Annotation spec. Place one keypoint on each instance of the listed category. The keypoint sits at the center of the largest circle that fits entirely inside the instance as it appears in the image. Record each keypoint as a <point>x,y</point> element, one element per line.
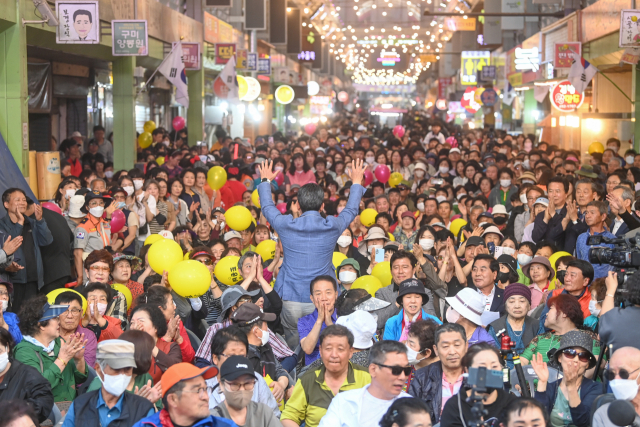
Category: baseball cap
<point>249,314</point>
<point>233,234</point>
<point>218,209</point>
<point>52,311</point>
<point>454,150</point>
<point>235,367</point>
<point>76,134</point>
<point>541,201</point>
<point>230,298</point>
<point>117,353</point>
<point>412,286</point>
<point>492,229</point>
<point>184,372</point>
<point>475,241</point>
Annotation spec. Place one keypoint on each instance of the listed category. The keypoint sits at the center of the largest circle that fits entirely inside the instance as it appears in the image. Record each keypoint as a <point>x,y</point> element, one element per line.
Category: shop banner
<point>473,61</point>
<point>211,28</point>
<point>190,55</point>
<point>79,22</point>
<point>225,32</point>
<point>468,100</point>
<point>224,52</point>
<point>459,23</point>
<point>630,56</point>
<point>563,56</point>
<point>565,97</point>
<point>443,83</point>
<point>241,59</point>
<point>252,61</point>
<point>426,58</point>
<point>129,38</point>
<point>264,65</point>
<point>629,25</point>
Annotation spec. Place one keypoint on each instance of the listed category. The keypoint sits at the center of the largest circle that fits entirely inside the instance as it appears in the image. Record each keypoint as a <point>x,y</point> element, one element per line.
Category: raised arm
<point>269,209</point>
<point>356,174</point>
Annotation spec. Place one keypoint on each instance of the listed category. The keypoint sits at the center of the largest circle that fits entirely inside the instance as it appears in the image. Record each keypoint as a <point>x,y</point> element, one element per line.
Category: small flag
<point>173,69</point>
<point>228,76</point>
<point>508,95</point>
<point>540,92</point>
<point>581,73</point>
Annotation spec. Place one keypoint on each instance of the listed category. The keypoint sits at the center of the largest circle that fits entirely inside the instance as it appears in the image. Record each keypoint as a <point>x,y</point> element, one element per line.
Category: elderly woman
<point>8,321</point>
<point>61,363</point>
<point>569,399</point>
<point>420,343</point>
<point>540,272</point>
<point>520,327</point>
<point>148,318</point>
<point>104,327</point>
<point>123,266</point>
<point>466,309</point>
<point>411,297</point>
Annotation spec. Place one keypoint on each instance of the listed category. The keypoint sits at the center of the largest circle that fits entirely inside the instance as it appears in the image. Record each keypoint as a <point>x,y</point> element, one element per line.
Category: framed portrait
<point>79,22</point>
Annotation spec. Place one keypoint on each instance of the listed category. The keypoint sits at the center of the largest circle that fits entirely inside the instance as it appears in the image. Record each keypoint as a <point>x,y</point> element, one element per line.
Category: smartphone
<point>379,255</point>
<point>437,181</point>
<point>492,247</point>
<point>270,140</point>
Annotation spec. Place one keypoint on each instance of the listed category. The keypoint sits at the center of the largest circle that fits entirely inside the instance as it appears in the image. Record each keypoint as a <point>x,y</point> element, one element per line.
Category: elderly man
<point>185,399</point>
<point>484,275</point>
<point>70,324</point>
<point>623,376</point>
<point>324,293</point>
<point>389,370</point>
<point>595,217</point>
<point>114,365</point>
<point>621,199</point>
<point>297,235</point>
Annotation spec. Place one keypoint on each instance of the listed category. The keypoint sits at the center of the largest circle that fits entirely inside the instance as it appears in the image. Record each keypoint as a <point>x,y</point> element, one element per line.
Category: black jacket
<point>553,231</point>
<point>495,412</point>
<point>134,408</point>
<point>580,415</point>
<point>56,257</point>
<point>355,254</point>
<point>426,385</point>
<point>25,383</point>
<point>497,304</point>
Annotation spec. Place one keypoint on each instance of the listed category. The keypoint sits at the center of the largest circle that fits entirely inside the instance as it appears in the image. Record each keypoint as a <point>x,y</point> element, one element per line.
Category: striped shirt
<point>545,342</point>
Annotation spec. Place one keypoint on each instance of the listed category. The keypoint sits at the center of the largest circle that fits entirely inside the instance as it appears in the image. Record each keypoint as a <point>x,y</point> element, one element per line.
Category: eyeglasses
<point>397,370</point>
<point>440,258</point>
<point>98,268</point>
<point>236,387</point>
<point>73,312</point>
<point>199,390</point>
<point>242,301</point>
<point>4,294</point>
<point>205,261</point>
<point>610,374</point>
<point>570,353</point>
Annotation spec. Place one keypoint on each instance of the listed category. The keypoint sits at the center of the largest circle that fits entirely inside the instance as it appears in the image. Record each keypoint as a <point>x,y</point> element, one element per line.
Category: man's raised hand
<point>266,170</point>
<point>357,172</point>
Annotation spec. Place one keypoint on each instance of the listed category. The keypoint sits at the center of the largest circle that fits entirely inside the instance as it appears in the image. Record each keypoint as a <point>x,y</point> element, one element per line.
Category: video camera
<point>624,256</point>
<point>482,381</point>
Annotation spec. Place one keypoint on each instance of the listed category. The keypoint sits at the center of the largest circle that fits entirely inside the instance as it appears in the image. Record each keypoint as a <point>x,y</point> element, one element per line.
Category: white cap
<point>421,166</point>
<point>469,304</point>
<point>499,209</point>
<point>233,234</point>
<point>362,325</point>
<point>541,201</point>
<point>454,150</point>
<point>492,229</point>
<point>76,134</point>
<point>166,234</point>
<point>75,203</point>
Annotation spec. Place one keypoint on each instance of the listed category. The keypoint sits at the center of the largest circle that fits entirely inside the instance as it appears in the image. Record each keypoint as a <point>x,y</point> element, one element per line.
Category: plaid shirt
<point>118,309</point>
<point>280,348</point>
<point>403,239</point>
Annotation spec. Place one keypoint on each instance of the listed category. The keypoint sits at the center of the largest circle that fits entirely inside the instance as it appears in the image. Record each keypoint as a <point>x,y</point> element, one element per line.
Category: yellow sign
<point>472,61</point>
<point>515,79</point>
<point>427,58</point>
<point>243,87</point>
<point>241,59</point>
<point>459,23</point>
<point>284,94</point>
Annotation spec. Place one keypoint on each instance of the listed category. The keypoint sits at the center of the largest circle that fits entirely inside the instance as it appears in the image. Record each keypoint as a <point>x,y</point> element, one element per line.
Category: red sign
<point>443,82</point>
<point>190,55</point>
<point>563,56</point>
<point>224,52</point>
<point>565,97</point>
<point>468,100</point>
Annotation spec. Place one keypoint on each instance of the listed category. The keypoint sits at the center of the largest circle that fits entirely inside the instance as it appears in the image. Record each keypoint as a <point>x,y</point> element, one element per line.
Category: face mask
<point>523,198</point>
<point>121,205</point>
<point>452,315</point>
<point>624,389</point>
<point>419,173</point>
<point>443,169</point>
<point>499,220</point>
<point>138,183</point>
<point>166,142</point>
<point>347,276</point>
<point>70,193</point>
<point>505,183</point>
<point>116,384</point>
<point>629,159</point>
<point>592,308</point>
<point>508,251</point>
<point>524,259</point>
<point>560,275</point>
<point>441,199</point>
<point>370,159</point>
<point>108,174</point>
<point>426,244</point>
<point>344,241</point>
<point>102,308</point>
<point>5,305</point>
<point>613,147</point>
<point>237,399</point>
<point>412,355</point>
<point>129,189</point>
<point>526,164</point>
<point>420,206</point>
<point>372,248</point>
<point>279,168</point>
<point>4,361</point>
<point>329,164</point>
<point>265,337</point>
<point>460,196</point>
<point>340,209</point>
<point>503,277</point>
<point>97,211</point>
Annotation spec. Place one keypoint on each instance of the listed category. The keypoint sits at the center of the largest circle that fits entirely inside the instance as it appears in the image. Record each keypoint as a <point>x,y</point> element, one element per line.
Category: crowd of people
<point>407,262</point>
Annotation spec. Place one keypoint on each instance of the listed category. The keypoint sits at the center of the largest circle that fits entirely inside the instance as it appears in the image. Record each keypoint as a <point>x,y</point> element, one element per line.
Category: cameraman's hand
<point>611,282</point>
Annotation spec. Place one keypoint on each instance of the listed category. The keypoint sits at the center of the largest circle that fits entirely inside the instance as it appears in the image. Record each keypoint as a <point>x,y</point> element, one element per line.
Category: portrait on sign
<point>79,22</point>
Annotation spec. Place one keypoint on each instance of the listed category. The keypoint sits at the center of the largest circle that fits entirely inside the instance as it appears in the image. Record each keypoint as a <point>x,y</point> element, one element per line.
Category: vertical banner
<point>563,54</point>
<point>210,28</point>
<point>252,61</point>
<point>443,83</point>
<point>264,66</point>
<point>241,59</point>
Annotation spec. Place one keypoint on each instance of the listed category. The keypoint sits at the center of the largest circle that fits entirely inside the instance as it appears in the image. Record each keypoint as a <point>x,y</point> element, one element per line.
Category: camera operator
<point>614,321</point>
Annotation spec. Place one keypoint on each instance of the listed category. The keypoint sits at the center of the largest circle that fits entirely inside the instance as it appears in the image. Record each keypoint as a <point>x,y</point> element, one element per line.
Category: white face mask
<point>102,308</point>
<point>460,196</point>
<point>138,183</point>
<point>443,169</point>
<point>347,277</point>
<point>4,360</point>
<point>116,384</point>
<point>592,308</point>
<point>5,305</point>
<point>372,248</point>
<point>278,168</point>
<point>420,206</point>
<point>129,189</point>
<point>452,315</point>
<point>426,244</point>
<point>505,183</point>
<point>264,339</point>
<point>412,355</point>
<point>344,241</point>
<point>508,251</point>
<point>440,199</point>
<point>108,174</point>
<point>524,259</point>
<point>624,389</point>
<point>523,198</point>
<point>69,193</point>
<point>370,159</point>
<point>526,164</point>
<point>97,211</point>
<point>629,159</point>
<point>329,164</point>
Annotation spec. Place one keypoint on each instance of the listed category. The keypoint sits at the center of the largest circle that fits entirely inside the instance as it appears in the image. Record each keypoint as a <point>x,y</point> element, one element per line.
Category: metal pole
<point>476,14</point>
<point>254,47</point>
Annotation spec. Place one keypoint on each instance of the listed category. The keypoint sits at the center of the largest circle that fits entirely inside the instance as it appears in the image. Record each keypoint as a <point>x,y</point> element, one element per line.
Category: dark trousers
<point>56,284</point>
<point>22,292</point>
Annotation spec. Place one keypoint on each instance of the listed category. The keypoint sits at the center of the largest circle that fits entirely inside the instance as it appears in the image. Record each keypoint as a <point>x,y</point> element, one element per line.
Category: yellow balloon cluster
<point>152,239</point>
<point>164,255</point>
<point>368,217</point>
<point>238,218</point>
<point>216,177</point>
<point>149,126</point>
<point>456,225</point>
<point>227,271</point>
<point>190,279</point>
<point>596,147</point>
<point>369,283</point>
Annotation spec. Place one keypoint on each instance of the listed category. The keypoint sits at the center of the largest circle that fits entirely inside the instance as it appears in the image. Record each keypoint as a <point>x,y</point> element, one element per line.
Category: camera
<point>624,256</point>
<point>481,379</point>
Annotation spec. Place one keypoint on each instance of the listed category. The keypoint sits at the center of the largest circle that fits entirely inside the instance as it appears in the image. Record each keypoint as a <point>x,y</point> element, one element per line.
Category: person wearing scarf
<point>411,297</point>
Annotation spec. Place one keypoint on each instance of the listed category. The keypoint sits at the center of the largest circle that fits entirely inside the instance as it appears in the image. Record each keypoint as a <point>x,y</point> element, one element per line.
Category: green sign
<point>129,38</point>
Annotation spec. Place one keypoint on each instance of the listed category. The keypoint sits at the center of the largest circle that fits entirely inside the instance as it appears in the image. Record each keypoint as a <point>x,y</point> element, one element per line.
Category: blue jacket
<point>12,321</point>
<point>308,242</point>
<point>581,415</point>
<point>210,421</point>
<point>582,251</point>
<point>41,237</point>
<point>393,327</point>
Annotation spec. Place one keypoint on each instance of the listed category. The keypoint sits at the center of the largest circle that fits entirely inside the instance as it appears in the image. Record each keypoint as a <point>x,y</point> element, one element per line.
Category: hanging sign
<point>565,98</point>
<point>563,54</point>
<point>443,83</point>
<point>473,61</point>
<point>284,94</point>
<point>629,25</point>
<point>441,104</point>
<point>630,56</point>
<point>459,23</point>
<point>190,55</point>
<point>79,22</point>
<point>241,59</point>
<point>468,101</point>
<point>129,38</point>
<point>253,89</point>
<point>264,65</point>
<point>489,97</point>
<point>224,52</point>
<point>343,96</point>
<point>252,61</point>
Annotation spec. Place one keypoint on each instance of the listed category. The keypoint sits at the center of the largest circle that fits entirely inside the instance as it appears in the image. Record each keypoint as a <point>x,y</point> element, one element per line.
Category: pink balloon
<point>279,178</point>
<point>118,221</point>
<point>368,177</point>
<point>52,207</point>
<point>382,173</point>
<point>398,131</point>
<point>178,123</point>
<point>282,207</point>
<point>310,128</point>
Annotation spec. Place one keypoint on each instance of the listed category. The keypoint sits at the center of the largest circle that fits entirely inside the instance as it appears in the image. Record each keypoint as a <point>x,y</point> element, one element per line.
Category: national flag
<point>509,95</point>
<point>581,73</point>
<point>540,92</point>
<point>228,76</point>
<point>173,69</point>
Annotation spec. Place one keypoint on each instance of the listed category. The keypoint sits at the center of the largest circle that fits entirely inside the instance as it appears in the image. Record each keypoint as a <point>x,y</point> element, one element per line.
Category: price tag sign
<point>129,38</point>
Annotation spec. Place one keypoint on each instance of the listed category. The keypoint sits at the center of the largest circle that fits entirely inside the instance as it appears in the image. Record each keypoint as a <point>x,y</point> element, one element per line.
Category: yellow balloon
<point>382,272</point>
<point>369,283</point>
<point>164,255</point>
<point>186,256</point>
<point>255,198</point>
<point>368,217</point>
<point>216,177</point>
<point>160,161</point>
<point>227,270</point>
<point>243,87</point>
<point>456,225</point>
<point>238,218</point>
<point>190,279</point>
<point>596,147</point>
<point>391,237</point>
<point>152,239</point>
<point>124,291</point>
<point>266,249</point>
<point>145,139</point>
<point>338,257</point>
<point>51,297</point>
<point>150,126</point>
<point>395,179</point>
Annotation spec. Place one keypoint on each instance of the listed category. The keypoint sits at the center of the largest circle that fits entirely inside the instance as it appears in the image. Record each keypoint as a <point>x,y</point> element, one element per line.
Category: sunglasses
<point>397,370</point>
<point>570,353</point>
<point>610,374</point>
<point>205,261</point>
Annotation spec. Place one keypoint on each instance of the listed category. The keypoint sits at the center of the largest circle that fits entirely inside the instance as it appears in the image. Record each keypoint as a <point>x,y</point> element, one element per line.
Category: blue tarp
<point>10,175</point>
